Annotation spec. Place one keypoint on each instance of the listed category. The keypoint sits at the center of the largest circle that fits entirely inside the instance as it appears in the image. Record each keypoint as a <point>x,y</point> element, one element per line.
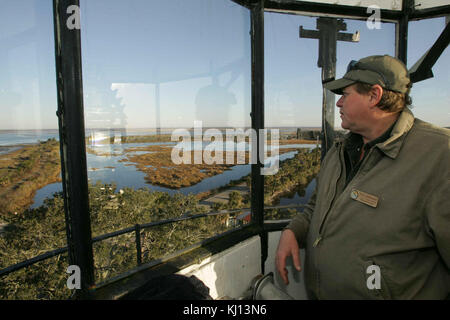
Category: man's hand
<point>287,246</point>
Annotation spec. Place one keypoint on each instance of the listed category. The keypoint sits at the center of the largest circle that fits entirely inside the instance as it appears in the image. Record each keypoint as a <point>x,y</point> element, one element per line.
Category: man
<point>378,224</point>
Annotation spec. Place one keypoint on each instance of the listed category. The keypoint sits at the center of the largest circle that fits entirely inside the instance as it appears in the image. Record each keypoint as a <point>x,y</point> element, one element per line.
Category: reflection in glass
<point>293,99</point>
<point>151,68</point>
<point>31,222</point>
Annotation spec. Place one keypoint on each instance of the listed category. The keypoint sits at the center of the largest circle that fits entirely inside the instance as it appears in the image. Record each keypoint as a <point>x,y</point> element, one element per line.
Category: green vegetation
<point>30,234</point>
<point>236,200</point>
<point>293,174</point>
<point>293,177</point>
<point>24,171</point>
<point>43,229</point>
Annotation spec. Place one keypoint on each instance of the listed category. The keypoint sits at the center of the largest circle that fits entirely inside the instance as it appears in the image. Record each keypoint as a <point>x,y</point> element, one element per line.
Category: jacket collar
<point>391,146</point>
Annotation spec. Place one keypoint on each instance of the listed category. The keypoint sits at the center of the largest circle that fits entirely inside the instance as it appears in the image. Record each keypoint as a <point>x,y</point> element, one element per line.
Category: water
<point>10,139</point>
<point>128,176</point>
<point>16,137</point>
<point>107,168</point>
<point>297,199</point>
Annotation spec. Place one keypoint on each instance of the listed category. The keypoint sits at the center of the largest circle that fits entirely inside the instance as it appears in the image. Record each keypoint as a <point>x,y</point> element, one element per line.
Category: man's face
<point>354,108</point>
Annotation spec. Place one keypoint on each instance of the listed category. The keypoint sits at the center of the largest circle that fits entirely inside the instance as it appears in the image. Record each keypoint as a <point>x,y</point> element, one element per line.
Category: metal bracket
<point>421,70</point>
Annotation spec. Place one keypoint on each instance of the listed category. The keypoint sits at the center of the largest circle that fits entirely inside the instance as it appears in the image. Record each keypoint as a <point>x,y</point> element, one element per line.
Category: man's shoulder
<point>428,141</point>
<point>430,129</point>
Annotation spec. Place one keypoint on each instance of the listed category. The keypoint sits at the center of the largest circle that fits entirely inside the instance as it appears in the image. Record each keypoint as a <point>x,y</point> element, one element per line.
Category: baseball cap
<point>389,72</point>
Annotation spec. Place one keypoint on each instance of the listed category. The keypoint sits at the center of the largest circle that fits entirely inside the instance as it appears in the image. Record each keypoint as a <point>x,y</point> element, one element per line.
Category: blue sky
<point>172,62</point>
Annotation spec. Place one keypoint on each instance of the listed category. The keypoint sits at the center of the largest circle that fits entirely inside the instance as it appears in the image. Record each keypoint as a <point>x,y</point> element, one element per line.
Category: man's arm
<point>300,223</point>
<point>294,234</point>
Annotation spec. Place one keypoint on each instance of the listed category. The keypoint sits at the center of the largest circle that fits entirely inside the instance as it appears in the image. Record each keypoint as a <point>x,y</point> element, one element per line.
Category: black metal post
<point>327,61</point>
<point>328,34</point>
<point>257,189</point>
<point>72,140</point>
<point>401,31</point>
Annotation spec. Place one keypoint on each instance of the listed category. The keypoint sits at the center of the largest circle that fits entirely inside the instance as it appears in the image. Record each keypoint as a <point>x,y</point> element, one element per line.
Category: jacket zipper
<point>342,163</point>
<point>334,195</point>
<point>319,237</point>
<point>317,241</point>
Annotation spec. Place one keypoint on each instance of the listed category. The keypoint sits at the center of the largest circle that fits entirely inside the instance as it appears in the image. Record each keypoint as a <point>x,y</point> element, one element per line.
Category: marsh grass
<point>159,168</point>
<point>24,171</point>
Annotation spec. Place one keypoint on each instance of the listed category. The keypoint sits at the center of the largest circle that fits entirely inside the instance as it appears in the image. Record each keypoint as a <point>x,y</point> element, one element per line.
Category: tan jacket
<point>394,214</point>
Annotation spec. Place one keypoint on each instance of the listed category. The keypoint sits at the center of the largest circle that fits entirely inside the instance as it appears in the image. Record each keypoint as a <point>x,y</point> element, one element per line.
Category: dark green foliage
<point>39,230</point>
<point>236,200</point>
<point>293,174</point>
<point>293,177</point>
<point>44,280</point>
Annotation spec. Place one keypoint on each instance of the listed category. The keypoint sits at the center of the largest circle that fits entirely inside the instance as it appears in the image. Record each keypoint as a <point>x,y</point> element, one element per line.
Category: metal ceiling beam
<point>300,7</point>
<point>293,6</point>
<point>244,3</point>
<point>430,12</point>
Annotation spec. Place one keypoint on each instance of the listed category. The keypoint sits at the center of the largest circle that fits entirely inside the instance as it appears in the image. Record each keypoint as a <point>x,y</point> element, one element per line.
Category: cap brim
<point>336,86</point>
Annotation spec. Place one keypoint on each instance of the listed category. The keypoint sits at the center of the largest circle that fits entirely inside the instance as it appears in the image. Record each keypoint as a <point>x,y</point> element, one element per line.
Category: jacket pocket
<point>376,284</point>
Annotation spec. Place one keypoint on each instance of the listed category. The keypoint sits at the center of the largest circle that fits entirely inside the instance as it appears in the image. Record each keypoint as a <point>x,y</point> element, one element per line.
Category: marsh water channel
<point>107,165</point>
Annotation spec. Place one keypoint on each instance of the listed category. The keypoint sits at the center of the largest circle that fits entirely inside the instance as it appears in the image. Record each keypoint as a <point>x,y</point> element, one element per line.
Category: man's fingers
<point>281,268</point>
<point>284,276</point>
<point>287,247</point>
<point>296,259</point>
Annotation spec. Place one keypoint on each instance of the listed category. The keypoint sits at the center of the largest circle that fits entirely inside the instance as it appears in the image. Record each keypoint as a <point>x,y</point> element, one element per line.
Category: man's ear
<point>375,95</point>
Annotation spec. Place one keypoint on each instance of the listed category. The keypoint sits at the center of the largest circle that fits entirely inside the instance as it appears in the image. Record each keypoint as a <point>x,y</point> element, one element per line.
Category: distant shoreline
<point>156,129</point>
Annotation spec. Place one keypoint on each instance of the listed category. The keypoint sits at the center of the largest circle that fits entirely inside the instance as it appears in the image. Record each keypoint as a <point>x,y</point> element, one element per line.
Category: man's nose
<point>339,103</point>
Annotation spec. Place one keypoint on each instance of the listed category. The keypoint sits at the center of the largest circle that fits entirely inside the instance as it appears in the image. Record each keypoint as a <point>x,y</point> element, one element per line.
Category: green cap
<point>389,72</point>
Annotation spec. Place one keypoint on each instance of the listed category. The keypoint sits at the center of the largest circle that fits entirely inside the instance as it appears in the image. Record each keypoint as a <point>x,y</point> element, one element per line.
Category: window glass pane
<point>31,215</point>
<point>155,74</point>
<point>293,100</point>
<point>430,98</point>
